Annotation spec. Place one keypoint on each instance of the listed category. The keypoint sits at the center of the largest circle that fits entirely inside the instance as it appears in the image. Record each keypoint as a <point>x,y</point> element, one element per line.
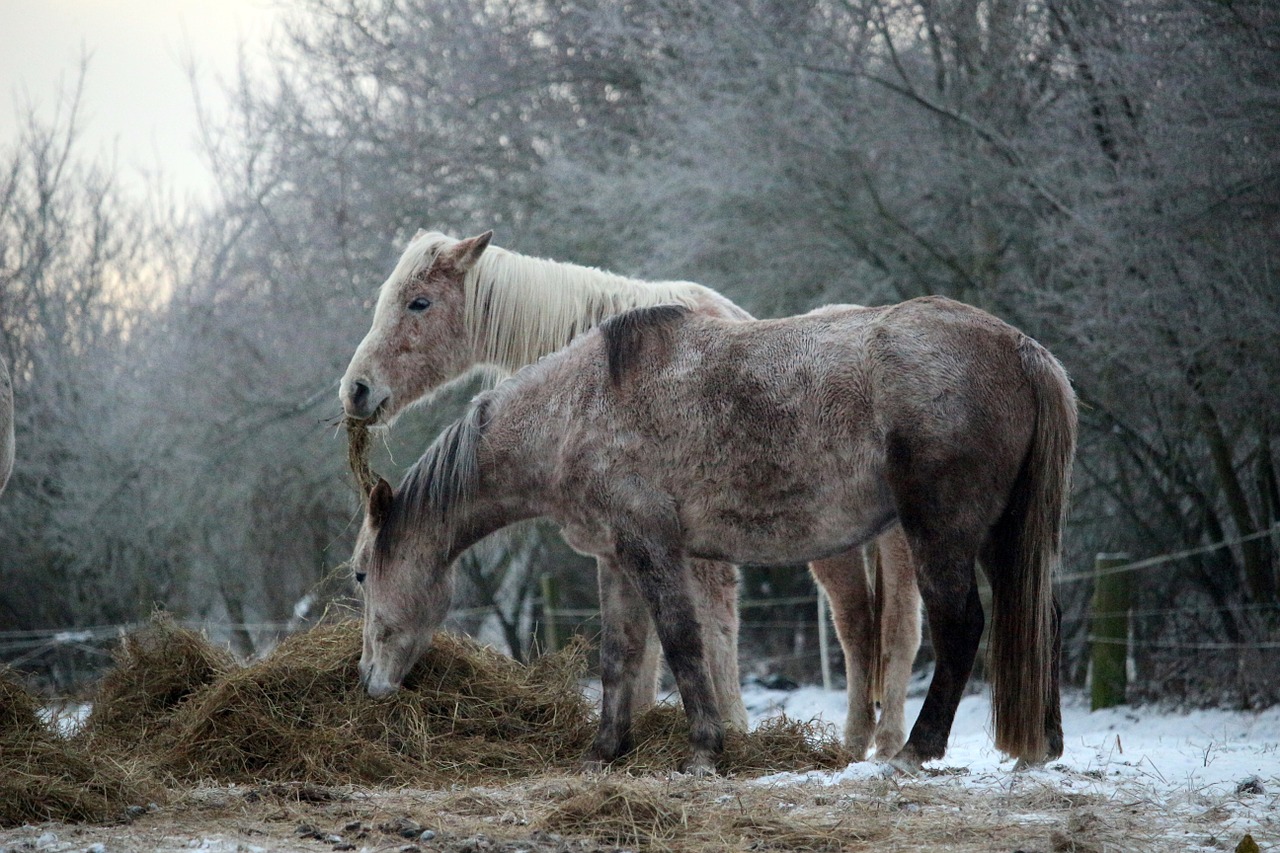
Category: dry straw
<point>358,441</point>
<point>177,710</point>
<point>44,776</point>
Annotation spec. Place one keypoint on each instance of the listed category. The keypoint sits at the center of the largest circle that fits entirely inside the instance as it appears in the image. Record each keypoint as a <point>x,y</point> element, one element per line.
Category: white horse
<point>451,307</point>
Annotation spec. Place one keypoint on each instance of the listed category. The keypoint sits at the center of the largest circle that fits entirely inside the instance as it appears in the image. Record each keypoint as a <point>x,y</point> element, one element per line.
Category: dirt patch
<point>608,812</point>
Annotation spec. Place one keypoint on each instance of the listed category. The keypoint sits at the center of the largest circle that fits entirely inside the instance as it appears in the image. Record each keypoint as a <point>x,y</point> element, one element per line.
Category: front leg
<point>655,565</point>
<point>628,661</point>
<point>715,591</point>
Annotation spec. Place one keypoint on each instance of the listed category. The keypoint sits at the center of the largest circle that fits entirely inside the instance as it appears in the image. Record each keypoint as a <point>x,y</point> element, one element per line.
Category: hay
<point>619,814</point>
<point>179,710</point>
<point>19,710</point>
<point>46,777</point>
<point>358,454</point>
<point>662,744</point>
<point>467,713</point>
<point>156,668</point>
<point>690,815</point>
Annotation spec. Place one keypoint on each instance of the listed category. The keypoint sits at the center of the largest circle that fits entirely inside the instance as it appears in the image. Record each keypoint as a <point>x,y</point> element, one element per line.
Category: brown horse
<point>662,434</point>
<point>454,306</point>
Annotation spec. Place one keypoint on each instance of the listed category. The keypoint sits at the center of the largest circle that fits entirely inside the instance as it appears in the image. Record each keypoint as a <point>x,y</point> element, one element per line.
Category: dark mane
<point>625,334</point>
<point>444,477</point>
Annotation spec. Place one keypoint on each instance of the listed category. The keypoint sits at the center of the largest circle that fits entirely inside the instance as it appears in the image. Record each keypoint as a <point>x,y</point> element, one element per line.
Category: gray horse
<point>451,307</point>
<point>662,434</point>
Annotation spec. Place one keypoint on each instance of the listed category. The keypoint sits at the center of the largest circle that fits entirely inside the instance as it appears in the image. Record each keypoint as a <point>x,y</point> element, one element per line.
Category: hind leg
<point>898,600</point>
<point>844,579</point>
<point>949,586</point>
<point>715,593</point>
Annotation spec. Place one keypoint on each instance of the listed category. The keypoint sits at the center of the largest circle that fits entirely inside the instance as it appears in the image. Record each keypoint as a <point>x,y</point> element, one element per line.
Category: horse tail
<point>1024,647</point>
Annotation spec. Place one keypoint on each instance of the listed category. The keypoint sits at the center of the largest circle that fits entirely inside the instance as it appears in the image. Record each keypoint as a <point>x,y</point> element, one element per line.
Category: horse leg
<point>898,606</point>
<point>715,590</point>
<point>663,579</point>
<point>844,579</point>
<point>949,587</point>
<point>628,664</point>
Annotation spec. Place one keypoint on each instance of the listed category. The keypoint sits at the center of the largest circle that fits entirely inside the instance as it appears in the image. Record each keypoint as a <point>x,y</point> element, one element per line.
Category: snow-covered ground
<point>1184,763</point>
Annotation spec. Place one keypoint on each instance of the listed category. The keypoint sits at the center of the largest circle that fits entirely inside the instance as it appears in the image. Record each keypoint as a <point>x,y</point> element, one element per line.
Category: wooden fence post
<point>550,630</point>
<point>1109,632</point>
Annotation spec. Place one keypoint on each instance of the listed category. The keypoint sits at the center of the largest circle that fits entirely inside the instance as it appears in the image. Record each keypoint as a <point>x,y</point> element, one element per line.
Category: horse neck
<point>520,308</point>
<point>510,485</point>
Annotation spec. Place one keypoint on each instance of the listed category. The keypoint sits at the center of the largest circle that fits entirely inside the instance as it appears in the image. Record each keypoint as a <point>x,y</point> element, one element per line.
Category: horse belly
<point>826,516</point>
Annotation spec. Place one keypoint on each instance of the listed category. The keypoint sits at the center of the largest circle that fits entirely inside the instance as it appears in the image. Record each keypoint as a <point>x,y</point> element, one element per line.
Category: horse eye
<point>422,303</point>
<point>359,577</point>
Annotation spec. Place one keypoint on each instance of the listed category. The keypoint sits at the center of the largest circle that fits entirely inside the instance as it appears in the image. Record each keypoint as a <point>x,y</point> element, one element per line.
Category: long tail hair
<point>1023,647</point>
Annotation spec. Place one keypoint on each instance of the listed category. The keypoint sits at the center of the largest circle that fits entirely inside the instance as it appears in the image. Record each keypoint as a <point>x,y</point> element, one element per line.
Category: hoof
<point>888,745</point>
<point>700,765</point>
<point>907,762</point>
<point>1024,764</point>
<point>596,762</point>
<point>899,766</point>
<point>859,746</point>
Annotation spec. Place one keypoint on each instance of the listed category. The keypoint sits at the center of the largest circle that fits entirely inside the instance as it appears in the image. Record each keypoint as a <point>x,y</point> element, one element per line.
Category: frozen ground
<point>1130,780</point>
<point>1183,764</point>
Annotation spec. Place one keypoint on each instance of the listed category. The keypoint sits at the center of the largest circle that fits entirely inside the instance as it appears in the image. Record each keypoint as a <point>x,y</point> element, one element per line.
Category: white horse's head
<point>407,585</point>
<point>418,340</point>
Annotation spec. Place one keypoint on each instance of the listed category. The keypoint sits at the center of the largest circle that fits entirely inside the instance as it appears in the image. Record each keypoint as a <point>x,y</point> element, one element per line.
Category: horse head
<point>418,339</point>
<point>407,585</point>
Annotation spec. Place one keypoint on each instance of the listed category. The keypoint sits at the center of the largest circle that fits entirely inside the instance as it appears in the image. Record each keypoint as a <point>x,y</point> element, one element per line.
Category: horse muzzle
<point>362,401</point>
<point>375,683</point>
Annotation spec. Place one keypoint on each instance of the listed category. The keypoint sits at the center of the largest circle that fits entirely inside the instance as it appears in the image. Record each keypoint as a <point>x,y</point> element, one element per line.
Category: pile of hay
<point>467,713</point>
<point>44,776</point>
<point>156,668</point>
<point>178,709</point>
<point>662,744</point>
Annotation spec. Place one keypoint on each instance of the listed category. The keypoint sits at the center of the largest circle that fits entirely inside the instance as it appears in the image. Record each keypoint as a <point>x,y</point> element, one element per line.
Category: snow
<point>1188,762</point>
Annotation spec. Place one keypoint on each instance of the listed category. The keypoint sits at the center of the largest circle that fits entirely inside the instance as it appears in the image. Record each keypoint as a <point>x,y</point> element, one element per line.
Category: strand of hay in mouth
<point>358,442</point>
<point>47,777</point>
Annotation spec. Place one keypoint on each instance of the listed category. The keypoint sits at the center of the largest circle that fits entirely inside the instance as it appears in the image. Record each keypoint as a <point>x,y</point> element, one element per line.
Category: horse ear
<point>380,503</point>
<point>468,251</point>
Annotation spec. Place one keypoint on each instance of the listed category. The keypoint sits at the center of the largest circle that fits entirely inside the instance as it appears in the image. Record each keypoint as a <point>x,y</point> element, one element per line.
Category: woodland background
<point>1105,175</point>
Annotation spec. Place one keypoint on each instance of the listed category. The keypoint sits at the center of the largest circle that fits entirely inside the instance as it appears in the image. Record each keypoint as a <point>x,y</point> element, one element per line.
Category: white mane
<point>519,308</point>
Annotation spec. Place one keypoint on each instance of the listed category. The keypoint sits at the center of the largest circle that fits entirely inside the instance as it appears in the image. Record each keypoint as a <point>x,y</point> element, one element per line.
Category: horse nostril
<point>359,395</point>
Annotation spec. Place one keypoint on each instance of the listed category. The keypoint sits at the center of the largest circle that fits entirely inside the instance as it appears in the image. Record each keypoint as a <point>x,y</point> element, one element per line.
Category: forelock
<point>419,255</point>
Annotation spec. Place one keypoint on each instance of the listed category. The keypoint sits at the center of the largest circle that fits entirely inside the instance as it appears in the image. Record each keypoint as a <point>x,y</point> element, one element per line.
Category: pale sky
<point>137,100</point>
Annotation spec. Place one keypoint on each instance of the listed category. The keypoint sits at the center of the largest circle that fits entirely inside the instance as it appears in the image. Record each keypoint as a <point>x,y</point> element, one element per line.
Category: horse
<point>663,434</point>
<point>451,307</point>
<point>6,425</point>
